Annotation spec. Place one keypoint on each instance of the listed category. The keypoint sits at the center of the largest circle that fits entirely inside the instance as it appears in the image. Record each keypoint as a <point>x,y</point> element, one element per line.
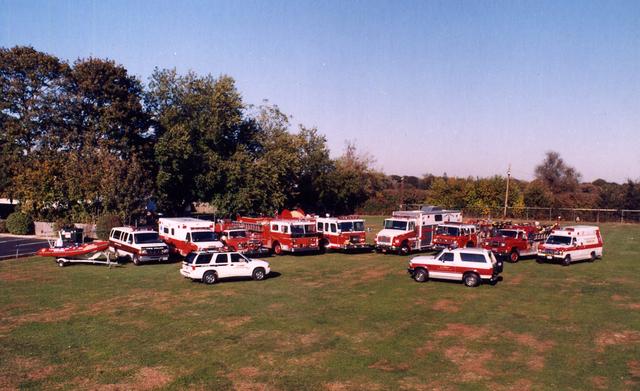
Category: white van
<point>572,244</point>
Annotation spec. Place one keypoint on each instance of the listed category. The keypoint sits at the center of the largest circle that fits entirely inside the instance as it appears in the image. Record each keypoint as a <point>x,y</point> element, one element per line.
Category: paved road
<point>24,245</point>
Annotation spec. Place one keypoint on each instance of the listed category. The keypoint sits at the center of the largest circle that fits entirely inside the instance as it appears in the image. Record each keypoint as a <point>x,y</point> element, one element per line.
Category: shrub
<point>19,223</point>
<point>105,223</point>
<point>3,226</point>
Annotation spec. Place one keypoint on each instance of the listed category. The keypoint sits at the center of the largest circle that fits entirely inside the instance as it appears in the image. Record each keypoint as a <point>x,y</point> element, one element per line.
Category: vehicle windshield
<point>302,230</point>
<point>507,233</point>
<point>395,224</point>
<point>146,238</point>
<point>556,239</point>
<point>237,234</point>
<point>448,231</point>
<point>351,226</point>
<point>204,236</point>
<point>190,258</point>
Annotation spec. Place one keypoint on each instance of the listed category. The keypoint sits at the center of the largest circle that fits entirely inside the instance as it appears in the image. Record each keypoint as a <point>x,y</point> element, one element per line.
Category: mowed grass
<point>333,321</point>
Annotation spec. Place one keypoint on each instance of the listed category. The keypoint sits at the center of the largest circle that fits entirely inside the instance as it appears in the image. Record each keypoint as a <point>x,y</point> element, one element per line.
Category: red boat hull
<point>74,251</point>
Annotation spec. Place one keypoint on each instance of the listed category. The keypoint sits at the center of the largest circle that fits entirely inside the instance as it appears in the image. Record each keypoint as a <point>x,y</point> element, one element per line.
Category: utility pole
<point>506,194</point>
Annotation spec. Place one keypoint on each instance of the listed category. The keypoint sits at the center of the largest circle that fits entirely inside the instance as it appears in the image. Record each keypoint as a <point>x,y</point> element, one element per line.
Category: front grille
<point>495,244</point>
<point>154,251</point>
<point>548,251</point>
<point>384,239</point>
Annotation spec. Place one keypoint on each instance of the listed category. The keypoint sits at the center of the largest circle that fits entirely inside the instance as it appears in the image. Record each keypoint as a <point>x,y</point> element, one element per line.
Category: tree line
<point>84,139</point>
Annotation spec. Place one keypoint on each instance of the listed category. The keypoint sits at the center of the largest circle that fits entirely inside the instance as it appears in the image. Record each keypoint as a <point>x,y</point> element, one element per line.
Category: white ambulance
<point>572,244</point>
<point>186,234</point>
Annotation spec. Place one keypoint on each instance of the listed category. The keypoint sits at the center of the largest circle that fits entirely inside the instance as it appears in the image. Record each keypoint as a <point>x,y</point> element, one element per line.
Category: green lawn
<point>333,321</point>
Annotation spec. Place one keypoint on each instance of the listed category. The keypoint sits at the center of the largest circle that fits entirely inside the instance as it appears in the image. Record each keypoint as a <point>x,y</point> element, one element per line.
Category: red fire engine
<point>454,235</point>
<point>342,233</point>
<point>291,231</point>
<point>236,238</point>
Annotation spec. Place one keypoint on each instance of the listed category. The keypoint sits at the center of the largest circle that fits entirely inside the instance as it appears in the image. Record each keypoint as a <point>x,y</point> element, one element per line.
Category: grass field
<point>333,321</point>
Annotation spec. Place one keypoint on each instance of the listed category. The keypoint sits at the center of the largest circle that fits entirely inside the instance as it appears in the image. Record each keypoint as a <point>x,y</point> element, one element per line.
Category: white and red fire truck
<point>186,234</point>
<point>412,230</point>
<point>290,231</point>
<point>346,233</point>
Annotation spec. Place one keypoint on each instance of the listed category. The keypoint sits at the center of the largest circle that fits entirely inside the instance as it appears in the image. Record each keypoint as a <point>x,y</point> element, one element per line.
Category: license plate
<point>549,257</point>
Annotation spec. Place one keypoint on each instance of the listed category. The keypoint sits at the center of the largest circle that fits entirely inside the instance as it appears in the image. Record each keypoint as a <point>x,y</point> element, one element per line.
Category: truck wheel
<point>136,260</point>
<point>209,278</point>
<point>61,263</point>
<point>567,260</point>
<point>421,275</point>
<point>471,280</point>
<point>322,247</point>
<point>515,256</point>
<point>258,274</point>
<point>404,249</point>
<point>277,249</point>
<point>593,256</point>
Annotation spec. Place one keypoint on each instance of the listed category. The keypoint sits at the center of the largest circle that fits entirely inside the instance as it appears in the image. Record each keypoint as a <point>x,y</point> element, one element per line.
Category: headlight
<point>396,241</point>
<point>503,244</point>
<point>143,252</point>
<point>165,250</point>
<point>558,252</point>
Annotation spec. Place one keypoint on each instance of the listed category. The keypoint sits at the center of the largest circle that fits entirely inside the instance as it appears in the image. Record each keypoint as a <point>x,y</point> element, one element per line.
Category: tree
<point>556,174</point>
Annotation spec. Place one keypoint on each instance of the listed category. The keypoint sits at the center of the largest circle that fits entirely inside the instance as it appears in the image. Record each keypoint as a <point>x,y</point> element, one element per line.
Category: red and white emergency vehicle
<point>290,232</point>
<point>572,244</point>
<point>186,234</point>
<point>454,235</point>
<point>515,241</point>
<point>342,233</point>
<point>412,230</point>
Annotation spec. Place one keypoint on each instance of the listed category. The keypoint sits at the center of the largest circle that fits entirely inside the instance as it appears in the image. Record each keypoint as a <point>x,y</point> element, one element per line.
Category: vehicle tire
<point>566,261</point>
<point>593,256</point>
<point>60,263</point>
<point>210,278</point>
<point>470,244</point>
<point>404,249</point>
<point>421,275</point>
<point>471,280</point>
<point>323,246</point>
<point>258,274</point>
<point>277,249</point>
<point>514,257</point>
<point>135,259</point>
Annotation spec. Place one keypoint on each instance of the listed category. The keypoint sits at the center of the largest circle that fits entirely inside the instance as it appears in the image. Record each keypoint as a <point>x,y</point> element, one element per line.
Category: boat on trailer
<point>70,248</point>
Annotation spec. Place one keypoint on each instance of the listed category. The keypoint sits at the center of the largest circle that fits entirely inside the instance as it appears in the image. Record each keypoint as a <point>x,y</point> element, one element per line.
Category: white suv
<point>470,265</point>
<point>209,266</point>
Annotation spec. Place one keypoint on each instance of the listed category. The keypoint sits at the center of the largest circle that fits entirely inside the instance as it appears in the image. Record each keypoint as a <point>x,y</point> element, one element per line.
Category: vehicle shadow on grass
<point>432,280</point>
<point>269,276</point>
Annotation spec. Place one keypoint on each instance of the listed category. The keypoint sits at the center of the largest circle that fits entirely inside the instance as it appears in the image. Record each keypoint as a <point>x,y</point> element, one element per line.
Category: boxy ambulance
<point>186,234</point>
<point>572,244</point>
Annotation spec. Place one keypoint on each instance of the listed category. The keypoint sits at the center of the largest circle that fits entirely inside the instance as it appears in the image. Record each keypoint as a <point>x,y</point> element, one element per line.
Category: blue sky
<point>462,87</point>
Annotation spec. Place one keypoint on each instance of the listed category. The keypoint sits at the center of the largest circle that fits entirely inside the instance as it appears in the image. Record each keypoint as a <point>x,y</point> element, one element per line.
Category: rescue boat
<point>74,251</point>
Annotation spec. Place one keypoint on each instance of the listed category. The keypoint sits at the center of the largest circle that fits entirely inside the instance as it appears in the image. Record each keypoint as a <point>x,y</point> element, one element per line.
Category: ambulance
<point>186,234</point>
<point>572,244</point>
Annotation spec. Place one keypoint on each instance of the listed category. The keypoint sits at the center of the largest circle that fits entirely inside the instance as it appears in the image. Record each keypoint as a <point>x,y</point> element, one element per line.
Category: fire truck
<point>186,234</point>
<point>454,235</point>
<point>290,231</point>
<point>345,233</point>
<point>516,241</point>
<point>412,230</point>
<point>236,238</point>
